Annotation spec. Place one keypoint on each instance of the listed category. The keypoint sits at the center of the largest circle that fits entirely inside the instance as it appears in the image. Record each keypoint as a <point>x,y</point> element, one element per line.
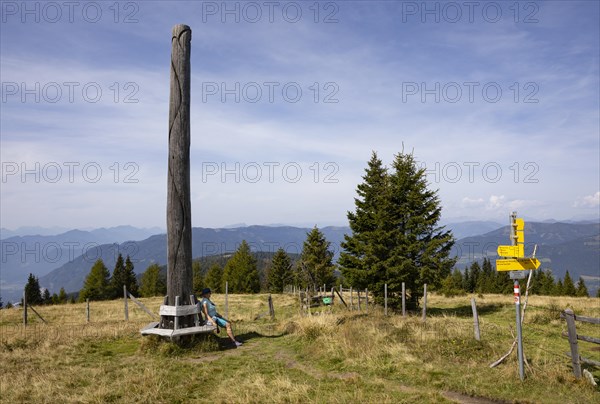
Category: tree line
<point>485,279</point>
<point>241,273</point>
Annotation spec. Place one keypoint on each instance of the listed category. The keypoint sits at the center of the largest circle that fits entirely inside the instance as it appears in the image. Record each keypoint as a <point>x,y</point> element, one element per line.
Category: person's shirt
<point>210,307</point>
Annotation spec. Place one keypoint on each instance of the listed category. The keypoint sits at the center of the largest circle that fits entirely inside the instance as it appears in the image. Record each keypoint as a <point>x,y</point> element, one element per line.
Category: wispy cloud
<point>394,80</point>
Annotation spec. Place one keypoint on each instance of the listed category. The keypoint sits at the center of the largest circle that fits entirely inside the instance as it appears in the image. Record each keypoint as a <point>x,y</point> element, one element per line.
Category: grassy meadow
<point>335,356</point>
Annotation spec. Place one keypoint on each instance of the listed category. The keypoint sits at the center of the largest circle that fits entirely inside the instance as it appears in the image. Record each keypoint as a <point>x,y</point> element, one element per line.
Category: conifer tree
<point>502,282</point>
<point>582,290</point>
<point>364,252</point>
<point>214,278</point>
<point>97,283</point>
<point>198,279</point>
<point>62,296</point>
<point>453,284</point>
<point>46,297</point>
<point>118,278</point>
<point>130,278</point>
<point>475,274</point>
<point>280,273</point>
<point>241,271</point>
<point>152,283</point>
<point>546,280</point>
<point>397,237</point>
<point>487,281</point>
<point>32,290</point>
<point>558,289</point>
<point>316,261</point>
<point>466,279</point>
<point>568,286</point>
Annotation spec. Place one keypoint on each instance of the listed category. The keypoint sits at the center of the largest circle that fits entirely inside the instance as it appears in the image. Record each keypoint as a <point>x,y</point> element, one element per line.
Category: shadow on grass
<point>466,311</point>
<point>225,343</point>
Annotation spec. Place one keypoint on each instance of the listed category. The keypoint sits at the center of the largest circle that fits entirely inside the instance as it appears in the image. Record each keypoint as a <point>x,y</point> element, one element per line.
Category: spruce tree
<point>395,233</point>
<point>466,279</point>
<point>152,283</point>
<point>130,278</point>
<point>198,279</point>
<point>316,261</point>
<point>32,290</point>
<point>97,283</point>
<point>474,277</point>
<point>547,286</point>
<point>214,278</point>
<point>241,271</point>
<point>487,280</point>
<point>558,289</point>
<point>118,278</point>
<point>453,284</point>
<point>420,252</point>
<point>365,251</point>
<point>46,297</point>
<point>582,290</point>
<point>534,288</point>
<point>280,273</point>
<point>62,296</point>
<point>568,286</point>
<point>503,283</point>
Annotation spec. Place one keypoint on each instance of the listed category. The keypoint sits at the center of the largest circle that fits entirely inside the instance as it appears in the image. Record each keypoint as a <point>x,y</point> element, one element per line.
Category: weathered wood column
<point>179,212</point>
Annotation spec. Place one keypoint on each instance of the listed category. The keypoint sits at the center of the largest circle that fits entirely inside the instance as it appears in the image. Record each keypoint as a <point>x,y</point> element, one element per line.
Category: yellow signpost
<point>516,251</point>
<point>514,255</point>
<point>517,264</point>
<point>514,260</point>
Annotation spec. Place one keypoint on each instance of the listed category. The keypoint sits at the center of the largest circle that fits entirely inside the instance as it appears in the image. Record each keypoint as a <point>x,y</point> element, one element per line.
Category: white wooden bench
<point>176,312</point>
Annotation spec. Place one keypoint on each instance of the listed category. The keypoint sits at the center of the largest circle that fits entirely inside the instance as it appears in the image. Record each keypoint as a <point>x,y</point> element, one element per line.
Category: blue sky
<point>499,100</point>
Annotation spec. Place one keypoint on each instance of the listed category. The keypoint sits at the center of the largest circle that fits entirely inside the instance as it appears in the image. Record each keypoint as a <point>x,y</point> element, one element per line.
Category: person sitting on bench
<point>210,311</point>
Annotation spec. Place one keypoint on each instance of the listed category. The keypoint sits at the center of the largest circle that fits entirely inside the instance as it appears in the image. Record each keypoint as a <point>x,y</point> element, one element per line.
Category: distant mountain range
<point>561,247</point>
<point>108,234</point>
<point>41,253</point>
<point>65,259</point>
<point>205,242</point>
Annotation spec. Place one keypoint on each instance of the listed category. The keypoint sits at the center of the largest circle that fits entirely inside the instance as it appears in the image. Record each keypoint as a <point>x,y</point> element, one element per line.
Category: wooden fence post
<point>366,300</point>
<point>359,306</point>
<point>24,308</point>
<point>570,317</point>
<point>475,319</point>
<point>126,305</point>
<point>424,302</point>
<point>87,310</point>
<point>227,300</point>
<point>403,299</point>
<point>385,299</point>
<point>271,308</point>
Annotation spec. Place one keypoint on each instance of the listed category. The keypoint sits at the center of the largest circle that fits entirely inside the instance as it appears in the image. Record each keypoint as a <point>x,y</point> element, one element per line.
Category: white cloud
<point>472,202</point>
<point>495,202</point>
<point>363,54</point>
<point>589,201</point>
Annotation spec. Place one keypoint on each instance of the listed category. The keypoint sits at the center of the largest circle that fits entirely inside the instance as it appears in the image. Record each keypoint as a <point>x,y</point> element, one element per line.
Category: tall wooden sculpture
<point>179,212</point>
<point>180,316</point>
